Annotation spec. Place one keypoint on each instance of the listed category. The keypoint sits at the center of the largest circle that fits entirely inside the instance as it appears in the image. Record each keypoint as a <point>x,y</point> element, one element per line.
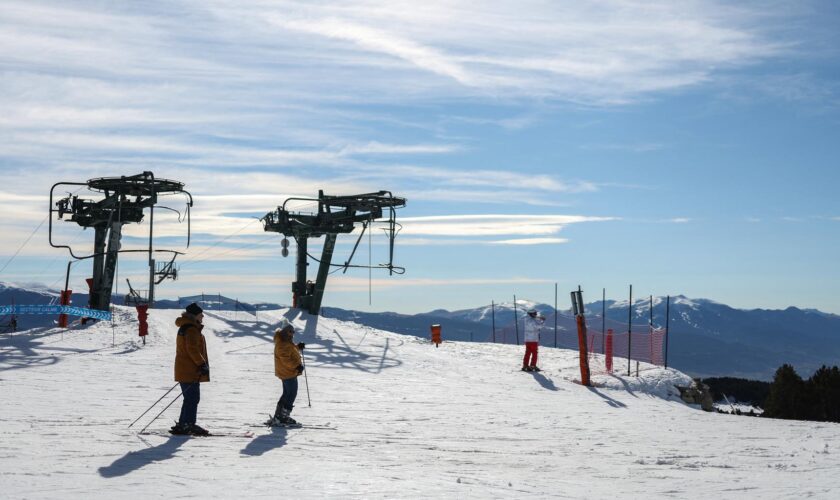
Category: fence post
<point>629,328</point>
<point>578,308</point>
<point>515,319</point>
<point>667,324</point>
<point>493,313</point>
<point>555,315</point>
<point>603,319</point>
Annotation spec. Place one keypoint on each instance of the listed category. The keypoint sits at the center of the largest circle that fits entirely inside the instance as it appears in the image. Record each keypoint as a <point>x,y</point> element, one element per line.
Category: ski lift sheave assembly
<point>123,201</point>
<point>335,215</point>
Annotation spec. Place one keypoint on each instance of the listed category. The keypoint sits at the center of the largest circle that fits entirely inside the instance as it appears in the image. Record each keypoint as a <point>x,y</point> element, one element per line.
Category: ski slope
<point>412,421</point>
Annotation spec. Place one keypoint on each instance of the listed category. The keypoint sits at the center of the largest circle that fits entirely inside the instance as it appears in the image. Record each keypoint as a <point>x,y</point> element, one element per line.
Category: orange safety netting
<point>645,342</point>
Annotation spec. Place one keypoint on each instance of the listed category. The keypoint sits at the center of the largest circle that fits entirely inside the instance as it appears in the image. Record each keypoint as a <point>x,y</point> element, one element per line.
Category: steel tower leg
<point>323,271</point>
<point>110,265</point>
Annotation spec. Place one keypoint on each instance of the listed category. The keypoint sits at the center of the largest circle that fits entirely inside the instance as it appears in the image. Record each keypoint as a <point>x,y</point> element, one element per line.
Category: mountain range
<point>706,338</point>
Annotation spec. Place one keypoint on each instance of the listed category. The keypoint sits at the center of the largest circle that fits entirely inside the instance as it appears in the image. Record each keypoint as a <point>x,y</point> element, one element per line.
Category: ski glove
<point>204,369</point>
<point>299,369</point>
<point>301,346</point>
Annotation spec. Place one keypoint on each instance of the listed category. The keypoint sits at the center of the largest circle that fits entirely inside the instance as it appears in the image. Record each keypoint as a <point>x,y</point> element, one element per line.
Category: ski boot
<point>535,369</point>
<point>180,429</point>
<point>197,430</point>
<point>287,420</point>
<point>274,421</point>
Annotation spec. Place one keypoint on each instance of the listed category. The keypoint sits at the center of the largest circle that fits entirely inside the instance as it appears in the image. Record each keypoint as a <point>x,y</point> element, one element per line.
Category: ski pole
<point>167,406</point>
<point>156,402</point>
<point>305,378</point>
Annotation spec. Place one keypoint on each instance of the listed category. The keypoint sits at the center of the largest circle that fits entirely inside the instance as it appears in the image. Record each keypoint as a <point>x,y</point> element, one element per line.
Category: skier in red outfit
<point>532,325</point>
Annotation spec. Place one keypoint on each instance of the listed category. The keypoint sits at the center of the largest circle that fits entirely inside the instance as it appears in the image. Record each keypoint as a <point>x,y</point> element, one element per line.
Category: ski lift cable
<point>397,269</point>
<point>180,219</point>
<point>266,239</point>
<point>221,241</point>
<point>23,244</point>
<point>30,237</point>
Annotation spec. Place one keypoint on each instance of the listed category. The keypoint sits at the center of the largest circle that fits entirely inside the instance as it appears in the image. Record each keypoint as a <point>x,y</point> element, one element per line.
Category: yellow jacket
<point>190,350</point>
<point>286,357</point>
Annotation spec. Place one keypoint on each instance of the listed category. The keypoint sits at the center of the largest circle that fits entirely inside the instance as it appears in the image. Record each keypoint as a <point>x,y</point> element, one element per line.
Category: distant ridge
<point>707,338</point>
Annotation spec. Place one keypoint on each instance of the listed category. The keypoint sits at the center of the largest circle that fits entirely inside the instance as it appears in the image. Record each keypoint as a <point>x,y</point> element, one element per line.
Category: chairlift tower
<point>123,201</point>
<point>335,215</point>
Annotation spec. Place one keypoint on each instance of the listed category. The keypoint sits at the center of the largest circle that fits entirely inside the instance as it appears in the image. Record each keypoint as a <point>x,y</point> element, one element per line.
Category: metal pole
<point>305,378</point>
<point>493,309</point>
<point>650,334</point>
<point>650,321</point>
<point>515,319</point>
<point>151,297</point>
<point>629,328</point>
<point>167,406</point>
<point>667,324</point>
<point>153,405</point>
<point>555,315</point>
<point>603,320</point>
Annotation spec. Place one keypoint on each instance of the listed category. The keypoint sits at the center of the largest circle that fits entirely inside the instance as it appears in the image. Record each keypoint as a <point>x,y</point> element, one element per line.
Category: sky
<point>681,147</point>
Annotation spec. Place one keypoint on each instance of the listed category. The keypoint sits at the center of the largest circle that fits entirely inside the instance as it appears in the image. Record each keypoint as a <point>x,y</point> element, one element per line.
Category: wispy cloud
<point>252,102</point>
<point>644,147</point>
<point>572,51</point>
<point>492,225</point>
<point>531,241</point>
<point>352,283</point>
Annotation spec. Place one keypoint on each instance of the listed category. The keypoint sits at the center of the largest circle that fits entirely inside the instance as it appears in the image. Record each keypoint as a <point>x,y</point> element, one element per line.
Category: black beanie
<point>194,309</point>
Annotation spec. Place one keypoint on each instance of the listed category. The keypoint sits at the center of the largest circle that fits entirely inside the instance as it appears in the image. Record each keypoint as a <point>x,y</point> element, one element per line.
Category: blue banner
<point>56,309</point>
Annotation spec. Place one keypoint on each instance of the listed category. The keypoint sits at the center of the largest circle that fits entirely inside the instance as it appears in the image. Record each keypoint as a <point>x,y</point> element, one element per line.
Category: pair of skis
<point>246,434</point>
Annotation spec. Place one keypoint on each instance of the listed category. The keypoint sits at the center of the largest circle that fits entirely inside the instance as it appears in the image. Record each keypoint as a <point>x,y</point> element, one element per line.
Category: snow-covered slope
<point>411,420</point>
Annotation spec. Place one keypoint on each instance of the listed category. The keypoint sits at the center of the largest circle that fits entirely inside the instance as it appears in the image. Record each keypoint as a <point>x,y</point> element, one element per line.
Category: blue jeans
<point>192,395</point>
<point>287,400</point>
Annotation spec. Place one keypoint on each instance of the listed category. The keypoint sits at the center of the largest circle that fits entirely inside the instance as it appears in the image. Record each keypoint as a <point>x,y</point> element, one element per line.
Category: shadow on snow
<point>320,352</point>
<point>265,442</point>
<point>135,460</point>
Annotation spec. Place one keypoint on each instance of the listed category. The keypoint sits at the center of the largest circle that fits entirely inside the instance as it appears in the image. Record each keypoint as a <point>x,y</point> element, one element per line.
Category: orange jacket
<point>286,357</point>
<point>191,350</point>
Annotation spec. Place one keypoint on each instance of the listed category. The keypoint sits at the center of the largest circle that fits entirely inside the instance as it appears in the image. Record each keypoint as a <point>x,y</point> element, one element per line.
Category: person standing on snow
<point>287,367</point>
<point>191,368</point>
<point>532,325</point>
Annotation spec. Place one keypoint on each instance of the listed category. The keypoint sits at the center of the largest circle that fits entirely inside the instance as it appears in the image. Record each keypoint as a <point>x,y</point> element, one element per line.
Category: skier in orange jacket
<point>287,367</point>
<point>191,368</point>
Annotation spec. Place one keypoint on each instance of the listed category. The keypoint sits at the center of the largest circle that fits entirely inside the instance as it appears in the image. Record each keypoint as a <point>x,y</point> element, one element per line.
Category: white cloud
<point>642,147</point>
<point>530,241</point>
<point>254,101</point>
<point>491,225</point>
<point>342,283</point>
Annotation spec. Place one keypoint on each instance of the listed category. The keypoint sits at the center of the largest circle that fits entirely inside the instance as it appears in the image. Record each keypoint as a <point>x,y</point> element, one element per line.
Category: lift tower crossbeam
<point>124,201</point>
<point>335,215</point>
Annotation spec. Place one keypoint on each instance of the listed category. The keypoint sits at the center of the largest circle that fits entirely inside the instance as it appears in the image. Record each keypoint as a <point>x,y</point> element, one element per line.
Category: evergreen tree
<point>825,385</point>
<point>786,394</point>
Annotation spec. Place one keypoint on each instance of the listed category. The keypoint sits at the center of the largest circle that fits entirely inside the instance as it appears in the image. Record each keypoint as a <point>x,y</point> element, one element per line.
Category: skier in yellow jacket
<point>287,367</point>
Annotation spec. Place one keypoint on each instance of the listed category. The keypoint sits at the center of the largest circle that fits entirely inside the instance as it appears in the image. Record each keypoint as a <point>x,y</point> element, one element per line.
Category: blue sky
<point>686,148</point>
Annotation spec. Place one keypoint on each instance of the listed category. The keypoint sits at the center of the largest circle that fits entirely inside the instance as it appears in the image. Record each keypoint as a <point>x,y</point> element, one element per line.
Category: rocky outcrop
<point>698,393</point>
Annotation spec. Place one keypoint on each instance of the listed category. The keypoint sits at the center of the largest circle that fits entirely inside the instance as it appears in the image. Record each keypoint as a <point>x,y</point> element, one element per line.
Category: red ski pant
<point>530,352</point>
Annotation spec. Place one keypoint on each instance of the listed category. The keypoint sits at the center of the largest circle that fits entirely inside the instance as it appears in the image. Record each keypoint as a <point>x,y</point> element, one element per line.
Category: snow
<point>412,420</point>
